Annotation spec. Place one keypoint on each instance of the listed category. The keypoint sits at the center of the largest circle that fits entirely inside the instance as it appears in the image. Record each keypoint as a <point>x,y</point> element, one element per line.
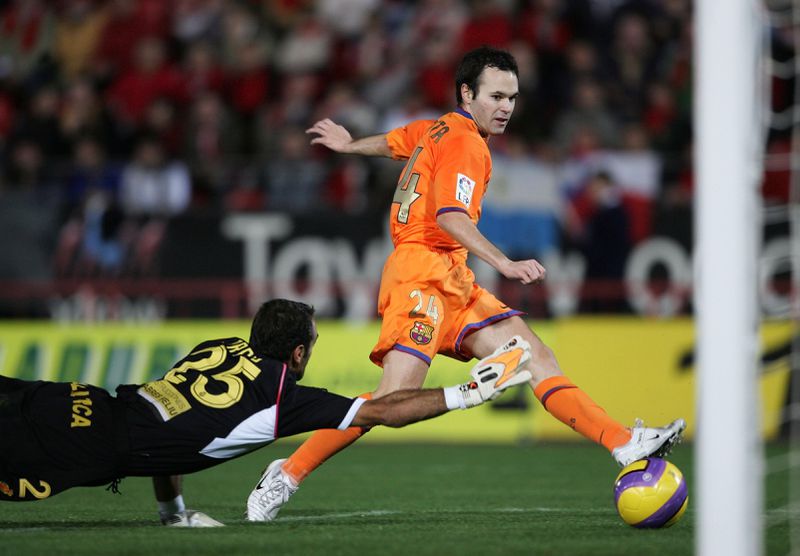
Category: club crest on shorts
<point>421,333</point>
<point>5,489</point>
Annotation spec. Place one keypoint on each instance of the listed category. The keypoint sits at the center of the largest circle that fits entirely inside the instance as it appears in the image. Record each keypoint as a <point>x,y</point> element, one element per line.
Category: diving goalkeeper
<point>226,398</point>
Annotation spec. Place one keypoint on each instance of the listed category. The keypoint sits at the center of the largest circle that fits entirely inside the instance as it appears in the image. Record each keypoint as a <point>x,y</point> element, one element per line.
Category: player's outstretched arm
<point>459,226</point>
<point>337,138</point>
<point>505,368</point>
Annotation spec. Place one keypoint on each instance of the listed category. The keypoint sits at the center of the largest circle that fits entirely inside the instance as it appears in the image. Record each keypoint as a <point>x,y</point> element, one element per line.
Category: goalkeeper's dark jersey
<point>219,402</point>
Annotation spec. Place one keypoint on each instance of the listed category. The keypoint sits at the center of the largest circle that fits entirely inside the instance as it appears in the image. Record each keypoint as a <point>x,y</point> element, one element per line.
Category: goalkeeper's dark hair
<point>280,325</point>
<point>475,61</point>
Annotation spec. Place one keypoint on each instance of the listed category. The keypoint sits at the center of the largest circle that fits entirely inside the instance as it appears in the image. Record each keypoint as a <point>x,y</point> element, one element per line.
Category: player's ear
<point>466,92</point>
<point>297,355</point>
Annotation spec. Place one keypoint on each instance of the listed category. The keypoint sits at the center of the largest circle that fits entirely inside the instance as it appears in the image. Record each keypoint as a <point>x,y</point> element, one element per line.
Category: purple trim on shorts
<point>451,209</point>
<point>474,327</point>
<point>412,351</point>
<point>667,511</point>
<point>552,391</point>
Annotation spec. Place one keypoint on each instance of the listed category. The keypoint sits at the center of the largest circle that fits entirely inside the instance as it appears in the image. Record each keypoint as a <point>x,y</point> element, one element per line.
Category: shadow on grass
<point>27,525</point>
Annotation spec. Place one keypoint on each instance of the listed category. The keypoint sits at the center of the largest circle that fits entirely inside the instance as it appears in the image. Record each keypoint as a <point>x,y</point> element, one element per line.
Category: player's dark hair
<point>475,61</point>
<point>280,325</point>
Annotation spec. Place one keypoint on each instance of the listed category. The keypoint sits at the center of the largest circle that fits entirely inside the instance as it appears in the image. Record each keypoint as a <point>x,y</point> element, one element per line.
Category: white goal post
<point>728,135</point>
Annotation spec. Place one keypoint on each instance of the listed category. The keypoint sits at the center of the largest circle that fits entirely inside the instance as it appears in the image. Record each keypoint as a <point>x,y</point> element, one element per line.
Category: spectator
<point>28,214</point>
<point>27,32</point>
<point>153,185</point>
<point>293,109</point>
<point>194,20</point>
<point>633,64</point>
<point>154,189</point>
<point>347,18</point>
<point>542,25</point>
<point>40,123</point>
<point>588,112</point>
<point>163,121</point>
<point>523,208</point>
<point>151,77</point>
<point>292,180</point>
<point>78,31</point>
<point>201,71</point>
<point>91,173</point>
<point>342,104</point>
<point>636,170</point>
<point>306,48</point>
<point>240,28</point>
<point>434,75</point>
<point>660,114</point>
<point>84,113</point>
<point>129,22</point>
<point>599,225</point>
<point>249,86</point>
<point>211,143</point>
<point>489,23</point>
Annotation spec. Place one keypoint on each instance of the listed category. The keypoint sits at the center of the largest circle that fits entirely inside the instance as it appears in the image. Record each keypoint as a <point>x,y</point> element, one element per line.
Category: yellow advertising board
<point>630,366</point>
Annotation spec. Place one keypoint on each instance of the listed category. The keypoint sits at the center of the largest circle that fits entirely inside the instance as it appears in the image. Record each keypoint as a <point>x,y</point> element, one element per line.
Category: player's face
<point>300,367</point>
<point>492,107</point>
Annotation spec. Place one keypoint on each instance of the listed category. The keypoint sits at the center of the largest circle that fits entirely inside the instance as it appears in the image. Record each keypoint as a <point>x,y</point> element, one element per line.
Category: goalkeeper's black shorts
<point>69,426</point>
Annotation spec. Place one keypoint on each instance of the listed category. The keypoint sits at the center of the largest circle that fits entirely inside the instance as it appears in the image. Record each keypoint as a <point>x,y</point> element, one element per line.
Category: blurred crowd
<point>117,115</point>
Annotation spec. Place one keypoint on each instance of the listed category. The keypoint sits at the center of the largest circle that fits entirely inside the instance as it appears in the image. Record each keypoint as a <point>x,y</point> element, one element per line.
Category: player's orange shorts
<point>429,303</point>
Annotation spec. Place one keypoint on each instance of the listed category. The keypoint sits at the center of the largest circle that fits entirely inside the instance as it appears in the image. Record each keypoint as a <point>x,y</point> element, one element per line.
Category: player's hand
<point>527,271</point>
<point>331,135</point>
<point>504,368</point>
<point>191,518</point>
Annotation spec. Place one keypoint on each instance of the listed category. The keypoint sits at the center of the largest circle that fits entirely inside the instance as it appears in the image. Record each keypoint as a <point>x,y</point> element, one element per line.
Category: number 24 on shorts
<point>432,311</point>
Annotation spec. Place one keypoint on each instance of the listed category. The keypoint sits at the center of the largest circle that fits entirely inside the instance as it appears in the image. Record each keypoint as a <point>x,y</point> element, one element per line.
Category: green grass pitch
<point>380,499</point>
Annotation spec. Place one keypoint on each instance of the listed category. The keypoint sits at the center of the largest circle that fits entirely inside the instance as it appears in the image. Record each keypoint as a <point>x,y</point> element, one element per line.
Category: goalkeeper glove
<point>190,518</point>
<point>492,375</point>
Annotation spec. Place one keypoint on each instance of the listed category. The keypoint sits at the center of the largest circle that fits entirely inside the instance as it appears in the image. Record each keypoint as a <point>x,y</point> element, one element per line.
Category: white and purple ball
<point>650,493</point>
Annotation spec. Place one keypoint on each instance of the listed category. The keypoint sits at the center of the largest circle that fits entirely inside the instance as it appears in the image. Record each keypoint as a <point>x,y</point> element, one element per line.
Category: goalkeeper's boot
<point>190,518</point>
<point>270,493</point>
<point>648,442</point>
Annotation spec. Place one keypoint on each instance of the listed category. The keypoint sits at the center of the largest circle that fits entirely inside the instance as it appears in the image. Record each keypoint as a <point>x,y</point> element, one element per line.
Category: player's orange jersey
<point>448,169</point>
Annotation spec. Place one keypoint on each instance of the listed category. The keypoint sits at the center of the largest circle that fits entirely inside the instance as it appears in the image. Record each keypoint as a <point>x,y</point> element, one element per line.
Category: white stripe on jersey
<point>351,414</point>
<point>254,432</point>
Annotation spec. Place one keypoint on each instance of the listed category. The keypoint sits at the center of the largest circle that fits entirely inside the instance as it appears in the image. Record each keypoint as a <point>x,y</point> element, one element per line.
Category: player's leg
<point>27,469</point>
<point>568,403</point>
<point>414,320</point>
<point>565,401</point>
<point>400,371</point>
<point>282,478</point>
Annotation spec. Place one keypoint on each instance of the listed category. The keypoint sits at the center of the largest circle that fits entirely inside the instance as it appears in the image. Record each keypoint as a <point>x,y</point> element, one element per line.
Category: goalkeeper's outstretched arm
<point>490,377</point>
<point>401,408</point>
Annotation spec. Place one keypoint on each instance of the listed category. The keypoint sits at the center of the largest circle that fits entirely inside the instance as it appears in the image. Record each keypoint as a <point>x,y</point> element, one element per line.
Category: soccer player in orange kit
<point>428,300</point>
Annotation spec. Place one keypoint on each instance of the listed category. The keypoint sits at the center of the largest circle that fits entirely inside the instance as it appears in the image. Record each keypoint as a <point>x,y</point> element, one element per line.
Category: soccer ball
<point>650,493</point>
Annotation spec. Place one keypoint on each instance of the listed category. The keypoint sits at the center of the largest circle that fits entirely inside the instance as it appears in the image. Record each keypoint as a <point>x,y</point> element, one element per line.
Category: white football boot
<point>191,518</point>
<point>270,493</point>
<point>649,442</point>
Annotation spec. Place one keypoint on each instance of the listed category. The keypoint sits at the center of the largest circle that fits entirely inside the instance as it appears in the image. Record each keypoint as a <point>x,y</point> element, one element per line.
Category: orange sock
<point>316,450</point>
<point>570,405</point>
